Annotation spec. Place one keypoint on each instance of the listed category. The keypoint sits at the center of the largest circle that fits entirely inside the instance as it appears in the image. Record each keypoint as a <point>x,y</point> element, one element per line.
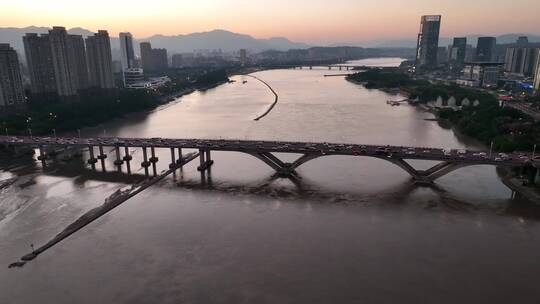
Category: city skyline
<point>345,21</point>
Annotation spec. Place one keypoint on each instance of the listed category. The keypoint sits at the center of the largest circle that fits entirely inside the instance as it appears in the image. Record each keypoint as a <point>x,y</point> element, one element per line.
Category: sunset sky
<point>311,21</point>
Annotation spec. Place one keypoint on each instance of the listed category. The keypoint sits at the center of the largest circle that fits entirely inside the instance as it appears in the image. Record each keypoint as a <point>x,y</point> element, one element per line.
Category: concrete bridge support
<point>92,160</point>
<point>118,162</point>
<point>145,164</point>
<point>173,163</point>
<point>283,169</point>
<point>127,158</point>
<point>102,156</point>
<point>205,160</point>
<point>180,159</point>
<point>153,160</point>
<point>430,175</point>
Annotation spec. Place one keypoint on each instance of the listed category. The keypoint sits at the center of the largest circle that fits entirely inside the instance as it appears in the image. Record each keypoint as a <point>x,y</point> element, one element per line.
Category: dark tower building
<point>428,41</point>
<point>153,59</point>
<point>40,64</point>
<point>100,66</point>
<point>485,50</point>
<point>77,57</point>
<point>146,56</point>
<point>11,87</point>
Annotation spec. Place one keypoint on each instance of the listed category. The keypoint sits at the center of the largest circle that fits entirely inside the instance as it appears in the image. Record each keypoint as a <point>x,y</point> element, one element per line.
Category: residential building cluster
<point>61,65</point>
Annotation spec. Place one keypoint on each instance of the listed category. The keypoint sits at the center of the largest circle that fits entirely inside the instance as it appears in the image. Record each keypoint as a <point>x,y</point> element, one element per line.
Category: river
<point>355,230</point>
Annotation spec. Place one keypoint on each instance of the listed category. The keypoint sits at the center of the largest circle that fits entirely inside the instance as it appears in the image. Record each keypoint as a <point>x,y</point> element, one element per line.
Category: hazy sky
<point>312,21</point>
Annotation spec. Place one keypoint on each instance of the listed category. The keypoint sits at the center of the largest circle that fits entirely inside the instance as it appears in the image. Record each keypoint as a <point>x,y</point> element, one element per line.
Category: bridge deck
<point>253,146</point>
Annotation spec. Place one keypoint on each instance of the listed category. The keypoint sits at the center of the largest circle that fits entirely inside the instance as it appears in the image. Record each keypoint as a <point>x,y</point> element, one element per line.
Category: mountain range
<point>212,40</point>
<point>229,42</point>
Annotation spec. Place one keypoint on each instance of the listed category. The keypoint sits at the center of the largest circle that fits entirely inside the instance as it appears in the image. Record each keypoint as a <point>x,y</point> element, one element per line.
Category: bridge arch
<point>288,169</point>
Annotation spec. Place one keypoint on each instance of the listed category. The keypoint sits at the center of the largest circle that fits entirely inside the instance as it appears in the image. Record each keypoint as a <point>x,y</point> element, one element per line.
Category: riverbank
<point>506,130</point>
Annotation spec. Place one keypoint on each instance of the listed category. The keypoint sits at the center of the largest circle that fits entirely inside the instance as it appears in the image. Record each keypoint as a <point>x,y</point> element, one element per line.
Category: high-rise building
<point>521,58</point>
<point>243,56</point>
<point>428,41</point>
<point>160,59</point>
<point>126,51</point>
<point>77,57</point>
<point>177,61</point>
<point>40,66</point>
<point>100,64</point>
<point>11,87</point>
<point>56,63</point>
<point>146,56</point>
<point>153,59</point>
<point>537,78</point>
<point>485,50</point>
<point>65,71</point>
<point>458,53</point>
<point>442,55</point>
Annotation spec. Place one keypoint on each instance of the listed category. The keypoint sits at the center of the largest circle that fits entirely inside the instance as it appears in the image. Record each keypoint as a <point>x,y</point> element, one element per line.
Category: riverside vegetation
<point>507,128</point>
<point>99,106</point>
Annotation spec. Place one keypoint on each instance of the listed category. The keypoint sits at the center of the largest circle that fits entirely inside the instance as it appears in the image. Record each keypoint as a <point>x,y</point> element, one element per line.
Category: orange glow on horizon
<point>314,21</point>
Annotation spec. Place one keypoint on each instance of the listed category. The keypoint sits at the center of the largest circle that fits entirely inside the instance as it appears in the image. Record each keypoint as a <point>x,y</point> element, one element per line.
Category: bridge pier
<point>145,164</point>
<point>173,163</point>
<point>102,156</point>
<point>154,160</point>
<point>118,162</point>
<point>340,68</point>
<point>180,159</point>
<point>205,160</point>
<point>127,158</point>
<point>92,160</point>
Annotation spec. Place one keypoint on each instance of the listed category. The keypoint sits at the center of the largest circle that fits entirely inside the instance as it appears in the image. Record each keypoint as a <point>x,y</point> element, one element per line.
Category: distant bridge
<point>449,160</point>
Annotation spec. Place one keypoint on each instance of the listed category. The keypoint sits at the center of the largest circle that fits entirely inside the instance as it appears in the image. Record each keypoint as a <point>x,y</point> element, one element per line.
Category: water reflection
<point>350,230</point>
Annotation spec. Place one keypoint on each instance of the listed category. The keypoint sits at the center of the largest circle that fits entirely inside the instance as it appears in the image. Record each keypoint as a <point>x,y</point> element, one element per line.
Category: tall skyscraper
<point>100,65</point>
<point>65,71</point>
<point>56,63</point>
<point>161,60</point>
<point>243,56</point>
<point>126,51</point>
<point>11,87</point>
<point>177,61</point>
<point>146,56</point>
<point>428,41</point>
<point>537,78</point>
<point>522,58</point>
<point>40,66</point>
<point>153,59</point>
<point>458,51</point>
<point>485,50</point>
<point>78,61</point>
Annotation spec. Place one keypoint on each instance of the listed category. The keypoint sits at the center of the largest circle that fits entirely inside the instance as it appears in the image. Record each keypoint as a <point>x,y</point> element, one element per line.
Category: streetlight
<point>534,151</point>
<point>79,133</point>
<point>491,150</point>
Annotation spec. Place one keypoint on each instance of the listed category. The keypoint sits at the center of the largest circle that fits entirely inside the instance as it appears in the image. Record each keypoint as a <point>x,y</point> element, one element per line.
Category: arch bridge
<point>448,160</point>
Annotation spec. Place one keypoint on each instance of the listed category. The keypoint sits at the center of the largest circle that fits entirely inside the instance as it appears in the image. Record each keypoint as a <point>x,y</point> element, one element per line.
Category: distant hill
<point>220,39</point>
<point>216,39</point>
